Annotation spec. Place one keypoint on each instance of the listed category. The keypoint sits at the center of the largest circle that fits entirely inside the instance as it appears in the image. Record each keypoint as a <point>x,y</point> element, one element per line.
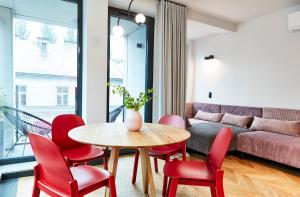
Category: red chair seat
<point>53,176</point>
<point>83,153</point>
<point>163,150</point>
<point>89,177</point>
<point>196,170</point>
<point>200,173</point>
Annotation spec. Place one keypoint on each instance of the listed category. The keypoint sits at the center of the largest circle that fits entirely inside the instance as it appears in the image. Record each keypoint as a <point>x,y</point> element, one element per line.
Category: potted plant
<point>133,105</point>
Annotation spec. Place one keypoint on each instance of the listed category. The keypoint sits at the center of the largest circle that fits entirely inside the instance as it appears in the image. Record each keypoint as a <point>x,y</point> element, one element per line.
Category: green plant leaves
<point>130,102</point>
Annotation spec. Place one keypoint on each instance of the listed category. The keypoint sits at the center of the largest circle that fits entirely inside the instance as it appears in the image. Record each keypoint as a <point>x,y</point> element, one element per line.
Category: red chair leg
<point>112,186</point>
<point>173,187</point>
<point>136,163</point>
<point>36,190</point>
<point>219,183</point>
<point>166,178</point>
<point>184,152</point>
<point>213,191</point>
<point>155,165</point>
<point>105,161</point>
<point>168,187</point>
<point>164,190</point>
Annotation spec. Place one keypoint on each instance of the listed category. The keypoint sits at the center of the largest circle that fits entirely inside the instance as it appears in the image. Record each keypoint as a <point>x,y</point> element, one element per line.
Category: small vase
<point>133,120</point>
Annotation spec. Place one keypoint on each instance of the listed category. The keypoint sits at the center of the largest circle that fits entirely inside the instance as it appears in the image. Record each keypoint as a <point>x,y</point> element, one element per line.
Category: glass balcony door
<point>130,62</point>
<point>40,74</point>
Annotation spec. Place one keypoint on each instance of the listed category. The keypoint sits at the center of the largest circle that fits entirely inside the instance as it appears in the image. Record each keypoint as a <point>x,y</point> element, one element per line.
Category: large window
<point>39,62</point>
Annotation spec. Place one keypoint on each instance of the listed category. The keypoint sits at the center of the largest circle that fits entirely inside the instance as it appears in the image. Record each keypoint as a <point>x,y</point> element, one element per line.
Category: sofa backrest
<point>281,114</point>
<point>241,110</point>
<point>232,109</point>
<point>206,107</point>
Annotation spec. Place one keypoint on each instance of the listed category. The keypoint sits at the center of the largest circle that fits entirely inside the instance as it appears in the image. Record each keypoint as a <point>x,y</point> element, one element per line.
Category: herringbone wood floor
<point>243,178</point>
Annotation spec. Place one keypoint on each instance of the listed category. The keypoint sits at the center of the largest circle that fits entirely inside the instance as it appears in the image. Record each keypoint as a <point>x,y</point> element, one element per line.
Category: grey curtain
<point>170,59</point>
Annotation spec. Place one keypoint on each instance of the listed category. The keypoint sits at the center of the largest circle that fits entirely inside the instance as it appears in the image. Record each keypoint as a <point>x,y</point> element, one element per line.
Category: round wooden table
<point>116,136</point>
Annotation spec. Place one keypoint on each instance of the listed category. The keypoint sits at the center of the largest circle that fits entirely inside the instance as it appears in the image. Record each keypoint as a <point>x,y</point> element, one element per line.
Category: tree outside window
<point>21,30</point>
<point>48,33</point>
<point>48,36</point>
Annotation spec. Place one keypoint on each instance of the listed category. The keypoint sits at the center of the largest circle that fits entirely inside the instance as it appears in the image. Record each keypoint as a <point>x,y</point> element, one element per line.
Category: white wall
<point>190,72</point>
<point>95,60</point>
<point>6,54</point>
<point>259,65</point>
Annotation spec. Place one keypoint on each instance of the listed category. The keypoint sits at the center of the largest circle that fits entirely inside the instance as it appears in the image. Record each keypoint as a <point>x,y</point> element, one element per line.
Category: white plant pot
<point>133,120</point>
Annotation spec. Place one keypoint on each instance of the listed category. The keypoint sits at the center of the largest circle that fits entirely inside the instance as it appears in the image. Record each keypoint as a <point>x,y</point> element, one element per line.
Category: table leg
<point>112,165</point>
<point>147,171</point>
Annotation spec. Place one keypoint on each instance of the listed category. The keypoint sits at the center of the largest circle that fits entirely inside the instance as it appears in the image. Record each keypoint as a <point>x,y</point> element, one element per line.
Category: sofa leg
<point>241,155</point>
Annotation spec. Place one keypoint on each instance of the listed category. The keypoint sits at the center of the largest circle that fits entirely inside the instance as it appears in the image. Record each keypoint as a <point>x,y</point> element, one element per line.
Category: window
<point>62,95</point>
<point>21,95</point>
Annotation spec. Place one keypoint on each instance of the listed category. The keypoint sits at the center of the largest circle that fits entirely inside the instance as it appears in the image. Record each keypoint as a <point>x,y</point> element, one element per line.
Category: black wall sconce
<point>209,57</point>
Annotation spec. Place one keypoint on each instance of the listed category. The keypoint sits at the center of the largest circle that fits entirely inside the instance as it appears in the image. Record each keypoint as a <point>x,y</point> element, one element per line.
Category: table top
<point>117,135</point>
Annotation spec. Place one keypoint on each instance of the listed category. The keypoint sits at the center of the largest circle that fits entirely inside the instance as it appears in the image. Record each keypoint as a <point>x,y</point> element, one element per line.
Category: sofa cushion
<point>236,120</point>
<point>274,146</point>
<point>196,121</point>
<point>281,114</point>
<point>206,107</point>
<point>241,110</point>
<point>278,126</point>
<point>212,117</point>
<point>203,135</point>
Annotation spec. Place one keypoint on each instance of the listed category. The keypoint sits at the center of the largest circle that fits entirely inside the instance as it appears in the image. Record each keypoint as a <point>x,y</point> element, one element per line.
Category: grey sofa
<point>203,133</point>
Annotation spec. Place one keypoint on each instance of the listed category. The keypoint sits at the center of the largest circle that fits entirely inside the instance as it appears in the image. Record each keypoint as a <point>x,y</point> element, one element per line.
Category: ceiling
<point>235,11</point>
<point>197,30</point>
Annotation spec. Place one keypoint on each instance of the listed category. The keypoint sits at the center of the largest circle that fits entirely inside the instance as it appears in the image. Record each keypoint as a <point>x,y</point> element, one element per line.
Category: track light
<point>140,18</point>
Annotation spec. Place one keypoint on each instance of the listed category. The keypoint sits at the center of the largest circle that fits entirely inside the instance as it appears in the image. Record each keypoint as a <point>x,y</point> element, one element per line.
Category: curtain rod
<point>175,3</point>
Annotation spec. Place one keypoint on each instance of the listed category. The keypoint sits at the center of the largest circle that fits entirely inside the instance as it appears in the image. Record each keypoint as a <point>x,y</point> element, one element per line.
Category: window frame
<point>78,90</point>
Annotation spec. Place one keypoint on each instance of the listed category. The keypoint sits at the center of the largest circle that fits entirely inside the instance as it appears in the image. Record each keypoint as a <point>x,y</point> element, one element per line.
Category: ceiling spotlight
<point>140,18</point>
<point>118,31</point>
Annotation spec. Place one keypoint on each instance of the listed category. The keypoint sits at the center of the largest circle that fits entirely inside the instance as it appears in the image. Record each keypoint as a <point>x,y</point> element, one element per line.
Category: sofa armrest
<point>189,110</point>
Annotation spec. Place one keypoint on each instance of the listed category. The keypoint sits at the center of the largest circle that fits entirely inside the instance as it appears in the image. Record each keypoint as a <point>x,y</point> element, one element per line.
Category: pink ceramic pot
<point>133,120</point>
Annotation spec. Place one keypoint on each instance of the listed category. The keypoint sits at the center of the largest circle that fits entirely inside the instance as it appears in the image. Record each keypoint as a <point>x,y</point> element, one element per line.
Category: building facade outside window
<point>62,96</point>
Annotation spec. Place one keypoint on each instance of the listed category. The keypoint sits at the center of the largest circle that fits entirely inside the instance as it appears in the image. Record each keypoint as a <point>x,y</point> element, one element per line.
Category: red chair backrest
<point>219,148</point>
<point>173,120</point>
<point>53,168</point>
<point>61,126</point>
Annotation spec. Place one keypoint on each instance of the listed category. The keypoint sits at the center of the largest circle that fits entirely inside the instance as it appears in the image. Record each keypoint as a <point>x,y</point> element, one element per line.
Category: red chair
<point>73,151</point>
<point>53,176</point>
<point>198,172</point>
<point>164,152</point>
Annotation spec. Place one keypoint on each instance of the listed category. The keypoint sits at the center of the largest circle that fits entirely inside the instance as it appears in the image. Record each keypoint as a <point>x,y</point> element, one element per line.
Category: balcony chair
<point>23,123</point>
<point>113,115</point>
<point>53,176</point>
<point>201,173</point>
<point>74,152</point>
<point>164,152</point>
